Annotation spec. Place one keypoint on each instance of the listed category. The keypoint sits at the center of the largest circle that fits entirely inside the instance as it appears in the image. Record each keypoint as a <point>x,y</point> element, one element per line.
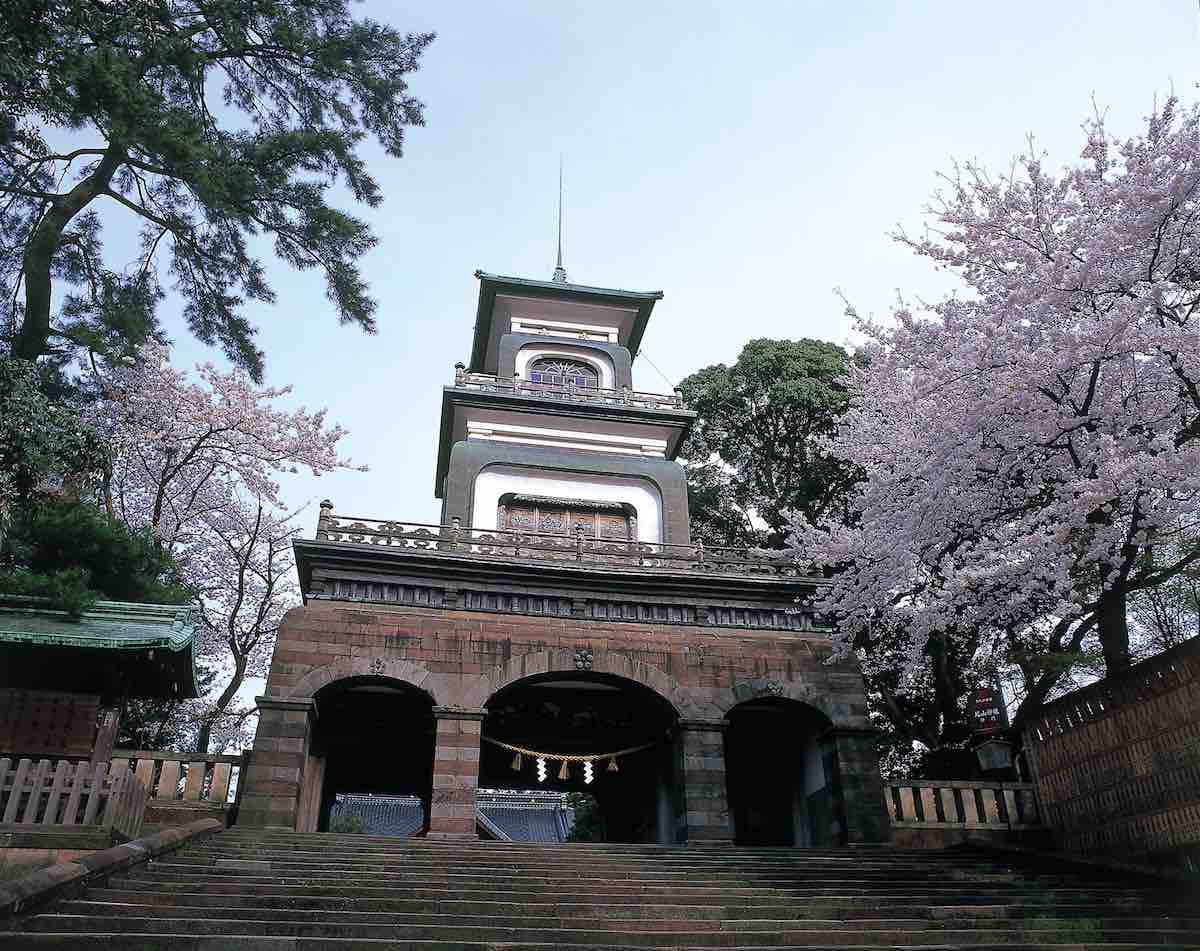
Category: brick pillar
<point>852,771</point>
<point>706,803</point>
<point>270,787</point>
<point>455,773</point>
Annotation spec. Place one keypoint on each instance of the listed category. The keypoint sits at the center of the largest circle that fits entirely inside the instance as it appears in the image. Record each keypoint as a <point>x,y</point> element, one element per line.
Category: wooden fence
<point>930,804</point>
<point>65,793</point>
<point>182,777</point>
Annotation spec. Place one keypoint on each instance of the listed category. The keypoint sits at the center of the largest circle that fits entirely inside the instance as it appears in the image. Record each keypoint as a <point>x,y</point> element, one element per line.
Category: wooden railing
<point>567,392</point>
<point>545,546</point>
<point>962,805</point>
<point>65,793</point>
<point>182,777</point>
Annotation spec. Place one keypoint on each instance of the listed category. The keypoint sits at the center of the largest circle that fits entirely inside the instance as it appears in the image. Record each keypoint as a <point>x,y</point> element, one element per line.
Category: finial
<point>560,272</point>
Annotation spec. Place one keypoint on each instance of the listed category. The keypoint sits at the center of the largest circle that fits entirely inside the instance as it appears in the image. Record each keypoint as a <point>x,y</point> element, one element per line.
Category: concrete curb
<point>70,878</point>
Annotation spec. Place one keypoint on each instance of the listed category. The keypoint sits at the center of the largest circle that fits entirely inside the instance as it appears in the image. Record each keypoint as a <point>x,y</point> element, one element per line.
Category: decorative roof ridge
<point>180,616</point>
<point>567,286</point>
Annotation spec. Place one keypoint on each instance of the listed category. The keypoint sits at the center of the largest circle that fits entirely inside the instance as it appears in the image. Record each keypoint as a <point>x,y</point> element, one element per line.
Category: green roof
<point>147,649</point>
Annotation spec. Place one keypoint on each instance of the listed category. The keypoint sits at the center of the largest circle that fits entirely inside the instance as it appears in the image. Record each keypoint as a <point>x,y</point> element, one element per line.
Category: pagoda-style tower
<point>543,432</point>
<point>558,629</point>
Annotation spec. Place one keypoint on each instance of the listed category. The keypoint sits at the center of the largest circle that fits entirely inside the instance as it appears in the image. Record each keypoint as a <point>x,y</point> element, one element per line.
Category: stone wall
<point>1117,763</point>
<point>460,658</point>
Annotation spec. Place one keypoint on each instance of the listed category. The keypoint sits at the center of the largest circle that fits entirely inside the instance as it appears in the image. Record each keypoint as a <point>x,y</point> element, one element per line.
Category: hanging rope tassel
<point>564,773</point>
<point>516,763</point>
<point>612,764</point>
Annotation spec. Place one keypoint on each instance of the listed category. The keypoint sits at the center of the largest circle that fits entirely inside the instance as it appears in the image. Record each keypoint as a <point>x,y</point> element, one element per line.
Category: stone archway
<point>781,781</point>
<point>346,668</point>
<point>369,735</point>
<point>586,659</point>
<point>762,688</point>
<point>577,706</point>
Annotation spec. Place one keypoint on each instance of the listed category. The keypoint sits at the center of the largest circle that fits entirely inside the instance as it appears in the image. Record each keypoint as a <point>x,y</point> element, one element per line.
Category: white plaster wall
<point>495,481</point>
<point>541,429</point>
<point>531,351</point>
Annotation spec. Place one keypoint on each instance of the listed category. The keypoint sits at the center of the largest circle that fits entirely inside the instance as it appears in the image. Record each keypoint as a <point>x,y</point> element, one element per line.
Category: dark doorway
<point>588,714</point>
<point>779,793</point>
<point>372,737</point>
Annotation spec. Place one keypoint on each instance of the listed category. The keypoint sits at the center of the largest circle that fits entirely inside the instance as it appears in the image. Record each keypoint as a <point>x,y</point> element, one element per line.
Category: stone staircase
<point>246,890</point>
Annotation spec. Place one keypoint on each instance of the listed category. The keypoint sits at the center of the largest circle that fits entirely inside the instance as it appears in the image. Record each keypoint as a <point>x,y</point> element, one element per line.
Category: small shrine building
<point>559,630</point>
<point>64,680</point>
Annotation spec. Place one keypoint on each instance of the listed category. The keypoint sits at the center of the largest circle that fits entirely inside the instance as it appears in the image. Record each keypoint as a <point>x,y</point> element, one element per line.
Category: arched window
<point>556,371</point>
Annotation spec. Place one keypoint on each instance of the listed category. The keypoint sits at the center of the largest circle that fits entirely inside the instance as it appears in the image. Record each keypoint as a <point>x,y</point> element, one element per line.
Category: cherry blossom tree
<point>196,462</point>
<point>1030,444</point>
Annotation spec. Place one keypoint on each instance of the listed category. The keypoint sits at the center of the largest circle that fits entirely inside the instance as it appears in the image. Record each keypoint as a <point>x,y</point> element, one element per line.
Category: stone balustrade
<point>543,546</point>
<point>567,392</point>
<point>931,811</point>
<point>182,777</point>
<point>64,795</point>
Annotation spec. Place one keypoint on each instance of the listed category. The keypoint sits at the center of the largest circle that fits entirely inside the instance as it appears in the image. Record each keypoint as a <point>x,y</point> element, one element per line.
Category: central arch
<point>582,714</point>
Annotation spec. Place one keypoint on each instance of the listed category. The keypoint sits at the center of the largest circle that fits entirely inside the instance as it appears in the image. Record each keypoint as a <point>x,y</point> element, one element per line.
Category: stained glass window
<point>555,371</point>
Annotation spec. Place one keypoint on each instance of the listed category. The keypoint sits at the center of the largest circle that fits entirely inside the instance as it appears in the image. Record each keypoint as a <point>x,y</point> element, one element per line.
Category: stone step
<point>534,879</point>
<point>57,923</point>
<point>165,941</point>
<point>581,853</point>
<point>418,860</point>
<point>414,859</point>
<point>385,883</point>
<point>283,891</point>
<point>782,908</point>
<point>474,847</point>
<point>682,922</point>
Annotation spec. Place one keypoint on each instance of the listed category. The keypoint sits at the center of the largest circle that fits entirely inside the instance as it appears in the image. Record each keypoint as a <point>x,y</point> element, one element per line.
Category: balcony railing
<point>567,392</point>
<point>544,547</point>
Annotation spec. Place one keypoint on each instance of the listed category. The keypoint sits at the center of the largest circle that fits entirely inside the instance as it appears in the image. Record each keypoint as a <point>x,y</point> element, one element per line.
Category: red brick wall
<point>461,658</point>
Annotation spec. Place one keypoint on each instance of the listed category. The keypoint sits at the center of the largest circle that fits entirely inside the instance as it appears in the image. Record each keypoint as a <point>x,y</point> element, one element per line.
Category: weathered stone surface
<point>460,658</point>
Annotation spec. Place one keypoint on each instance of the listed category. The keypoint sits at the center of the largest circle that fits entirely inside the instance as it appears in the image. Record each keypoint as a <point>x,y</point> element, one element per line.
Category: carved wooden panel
<point>554,517</point>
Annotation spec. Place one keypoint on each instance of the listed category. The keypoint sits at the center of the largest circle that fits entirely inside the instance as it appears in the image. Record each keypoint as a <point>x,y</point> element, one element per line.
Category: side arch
<point>404,671</point>
<point>800,691</point>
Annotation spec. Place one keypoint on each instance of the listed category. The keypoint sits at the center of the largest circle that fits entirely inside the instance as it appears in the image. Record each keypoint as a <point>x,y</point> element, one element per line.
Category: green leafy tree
<point>41,441</point>
<point>54,543</point>
<point>753,461</point>
<point>589,822</point>
<point>211,123</point>
<point>752,458</point>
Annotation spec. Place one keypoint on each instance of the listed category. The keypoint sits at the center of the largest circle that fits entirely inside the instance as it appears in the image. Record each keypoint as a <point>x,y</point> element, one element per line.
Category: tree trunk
<point>1113,627</point>
<point>204,737</point>
<point>34,336</point>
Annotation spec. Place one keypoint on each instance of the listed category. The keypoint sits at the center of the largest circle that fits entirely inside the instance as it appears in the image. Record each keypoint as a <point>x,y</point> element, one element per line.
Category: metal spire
<point>560,272</point>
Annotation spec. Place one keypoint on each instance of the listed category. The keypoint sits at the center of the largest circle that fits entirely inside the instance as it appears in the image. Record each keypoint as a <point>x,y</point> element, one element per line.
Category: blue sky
<point>746,159</point>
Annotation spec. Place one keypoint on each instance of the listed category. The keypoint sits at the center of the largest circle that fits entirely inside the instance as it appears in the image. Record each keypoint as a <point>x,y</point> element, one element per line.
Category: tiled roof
<point>529,823</point>
<point>147,648</point>
<point>530,817</point>
<point>113,625</point>
<point>383,815</point>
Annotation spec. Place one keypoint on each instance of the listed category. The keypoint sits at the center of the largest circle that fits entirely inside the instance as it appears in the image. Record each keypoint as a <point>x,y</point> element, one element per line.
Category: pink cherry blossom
<point>1031,444</point>
<point>196,462</point>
